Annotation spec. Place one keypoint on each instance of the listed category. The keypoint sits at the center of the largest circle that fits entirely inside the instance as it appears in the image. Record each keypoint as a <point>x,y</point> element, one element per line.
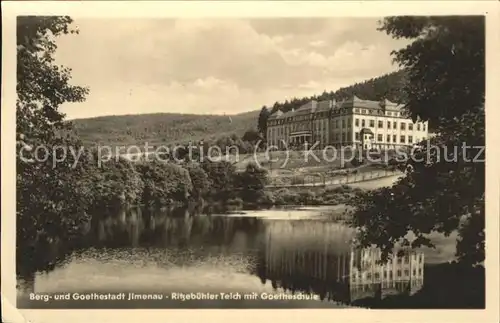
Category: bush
<point>307,197</point>
<point>357,162</point>
<point>285,196</point>
<point>199,179</point>
<point>297,180</point>
<point>346,188</point>
<point>235,202</point>
<point>164,183</point>
<point>265,199</point>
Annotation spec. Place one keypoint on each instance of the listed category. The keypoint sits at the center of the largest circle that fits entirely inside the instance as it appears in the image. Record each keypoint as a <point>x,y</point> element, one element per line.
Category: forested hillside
<point>169,128</point>
<point>161,128</point>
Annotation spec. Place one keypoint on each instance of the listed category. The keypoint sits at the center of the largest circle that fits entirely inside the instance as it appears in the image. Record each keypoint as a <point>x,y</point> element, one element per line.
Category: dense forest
<point>170,128</point>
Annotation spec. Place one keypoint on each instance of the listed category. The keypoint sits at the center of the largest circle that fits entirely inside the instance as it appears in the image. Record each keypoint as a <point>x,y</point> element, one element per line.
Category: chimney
<point>332,103</point>
<point>314,105</point>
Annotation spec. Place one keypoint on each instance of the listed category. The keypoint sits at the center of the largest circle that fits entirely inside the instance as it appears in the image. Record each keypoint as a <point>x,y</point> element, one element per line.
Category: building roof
<point>314,106</point>
<point>276,115</point>
<point>356,102</point>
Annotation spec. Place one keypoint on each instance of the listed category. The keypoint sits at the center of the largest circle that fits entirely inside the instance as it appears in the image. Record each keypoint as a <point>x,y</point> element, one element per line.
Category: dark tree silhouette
<point>445,85</point>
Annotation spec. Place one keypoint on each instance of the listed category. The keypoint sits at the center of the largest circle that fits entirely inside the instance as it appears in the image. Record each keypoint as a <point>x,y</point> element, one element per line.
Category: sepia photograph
<point>250,162</point>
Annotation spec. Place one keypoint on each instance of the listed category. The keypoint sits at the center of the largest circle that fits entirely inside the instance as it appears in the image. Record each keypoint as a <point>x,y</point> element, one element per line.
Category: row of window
<point>400,286</point>
<point>344,123</point>
<point>402,139</point>
<point>371,123</point>
<point>335,112</point>
<point>390,124</point>
<point>368,254</point>
<point>388,274</point>
<point>370,111</point>
<point>347,137</point>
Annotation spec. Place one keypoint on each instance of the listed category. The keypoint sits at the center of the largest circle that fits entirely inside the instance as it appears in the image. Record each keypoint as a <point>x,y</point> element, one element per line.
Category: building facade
<point>351,123</point>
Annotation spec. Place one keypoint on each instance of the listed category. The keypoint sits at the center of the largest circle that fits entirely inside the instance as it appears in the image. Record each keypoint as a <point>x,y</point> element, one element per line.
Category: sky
<point>217,66</point>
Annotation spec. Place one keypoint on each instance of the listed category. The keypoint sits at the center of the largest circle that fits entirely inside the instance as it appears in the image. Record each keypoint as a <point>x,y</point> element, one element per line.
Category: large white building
<point>354,122</point>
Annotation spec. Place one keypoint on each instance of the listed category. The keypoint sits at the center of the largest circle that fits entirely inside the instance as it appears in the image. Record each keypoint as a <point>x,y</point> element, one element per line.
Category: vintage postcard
<point>327,157</point>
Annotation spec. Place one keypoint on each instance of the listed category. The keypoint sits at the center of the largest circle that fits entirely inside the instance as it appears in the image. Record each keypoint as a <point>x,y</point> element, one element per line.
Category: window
<point>362,123</point>
<point>343,123</point>
<point>369,275</point>
<point>356,122</point>
<point>377,276</point>
<point>363,111</point>
<point>372,123</point>
<point>390,274</point>
<point>414,272</point>
<point>403,126</point>
<point>388,138</point>
<point>388,125</point>
<point>402,139</point>
<point>394,125</point>
<point>336,123</point>
<point>399,273</point>
<point>394,139</point>
<point>348,122</point>
<point>343,137</point>
<point>399,260</point>
<point>407,273</point>
<point>379,137</point>
<point>418,126</point>
<point>420,271</point>
<point>407,259</point>
<point>356,135</point>
<point>385,274</point>
<point>370,111</point>
<point>423,127</point>
<point>380,124</point>
<point>410,139</point>
<point>410,126</point>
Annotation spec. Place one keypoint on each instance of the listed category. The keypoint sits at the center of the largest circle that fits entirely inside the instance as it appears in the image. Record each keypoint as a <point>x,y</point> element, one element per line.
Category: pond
<point>288,257</point>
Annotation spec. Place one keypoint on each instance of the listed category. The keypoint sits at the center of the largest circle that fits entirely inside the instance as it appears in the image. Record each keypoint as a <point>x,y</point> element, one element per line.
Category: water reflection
<point>191,250</point>
<point>318,258</point>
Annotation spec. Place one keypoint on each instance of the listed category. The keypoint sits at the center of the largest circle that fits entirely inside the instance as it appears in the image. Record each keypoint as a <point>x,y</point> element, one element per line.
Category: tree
<point>253,178</point>
<point>199,178</point>
<point>262,121</point>
<point>445,85</point>
<point>116,183</point>
<point>51,202</point>
<point>221,176</point>
<point>251,183</point>
<point>164,182</point>
<point>251,136</point>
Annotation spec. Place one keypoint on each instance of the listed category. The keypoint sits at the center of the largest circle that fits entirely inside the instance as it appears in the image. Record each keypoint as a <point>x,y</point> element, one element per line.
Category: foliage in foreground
<point>59,186</point>
<point>445,190</point>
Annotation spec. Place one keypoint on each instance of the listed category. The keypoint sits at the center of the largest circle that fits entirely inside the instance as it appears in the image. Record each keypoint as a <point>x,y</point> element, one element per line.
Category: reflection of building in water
<point>325,264</point>
<point>400,274</point>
